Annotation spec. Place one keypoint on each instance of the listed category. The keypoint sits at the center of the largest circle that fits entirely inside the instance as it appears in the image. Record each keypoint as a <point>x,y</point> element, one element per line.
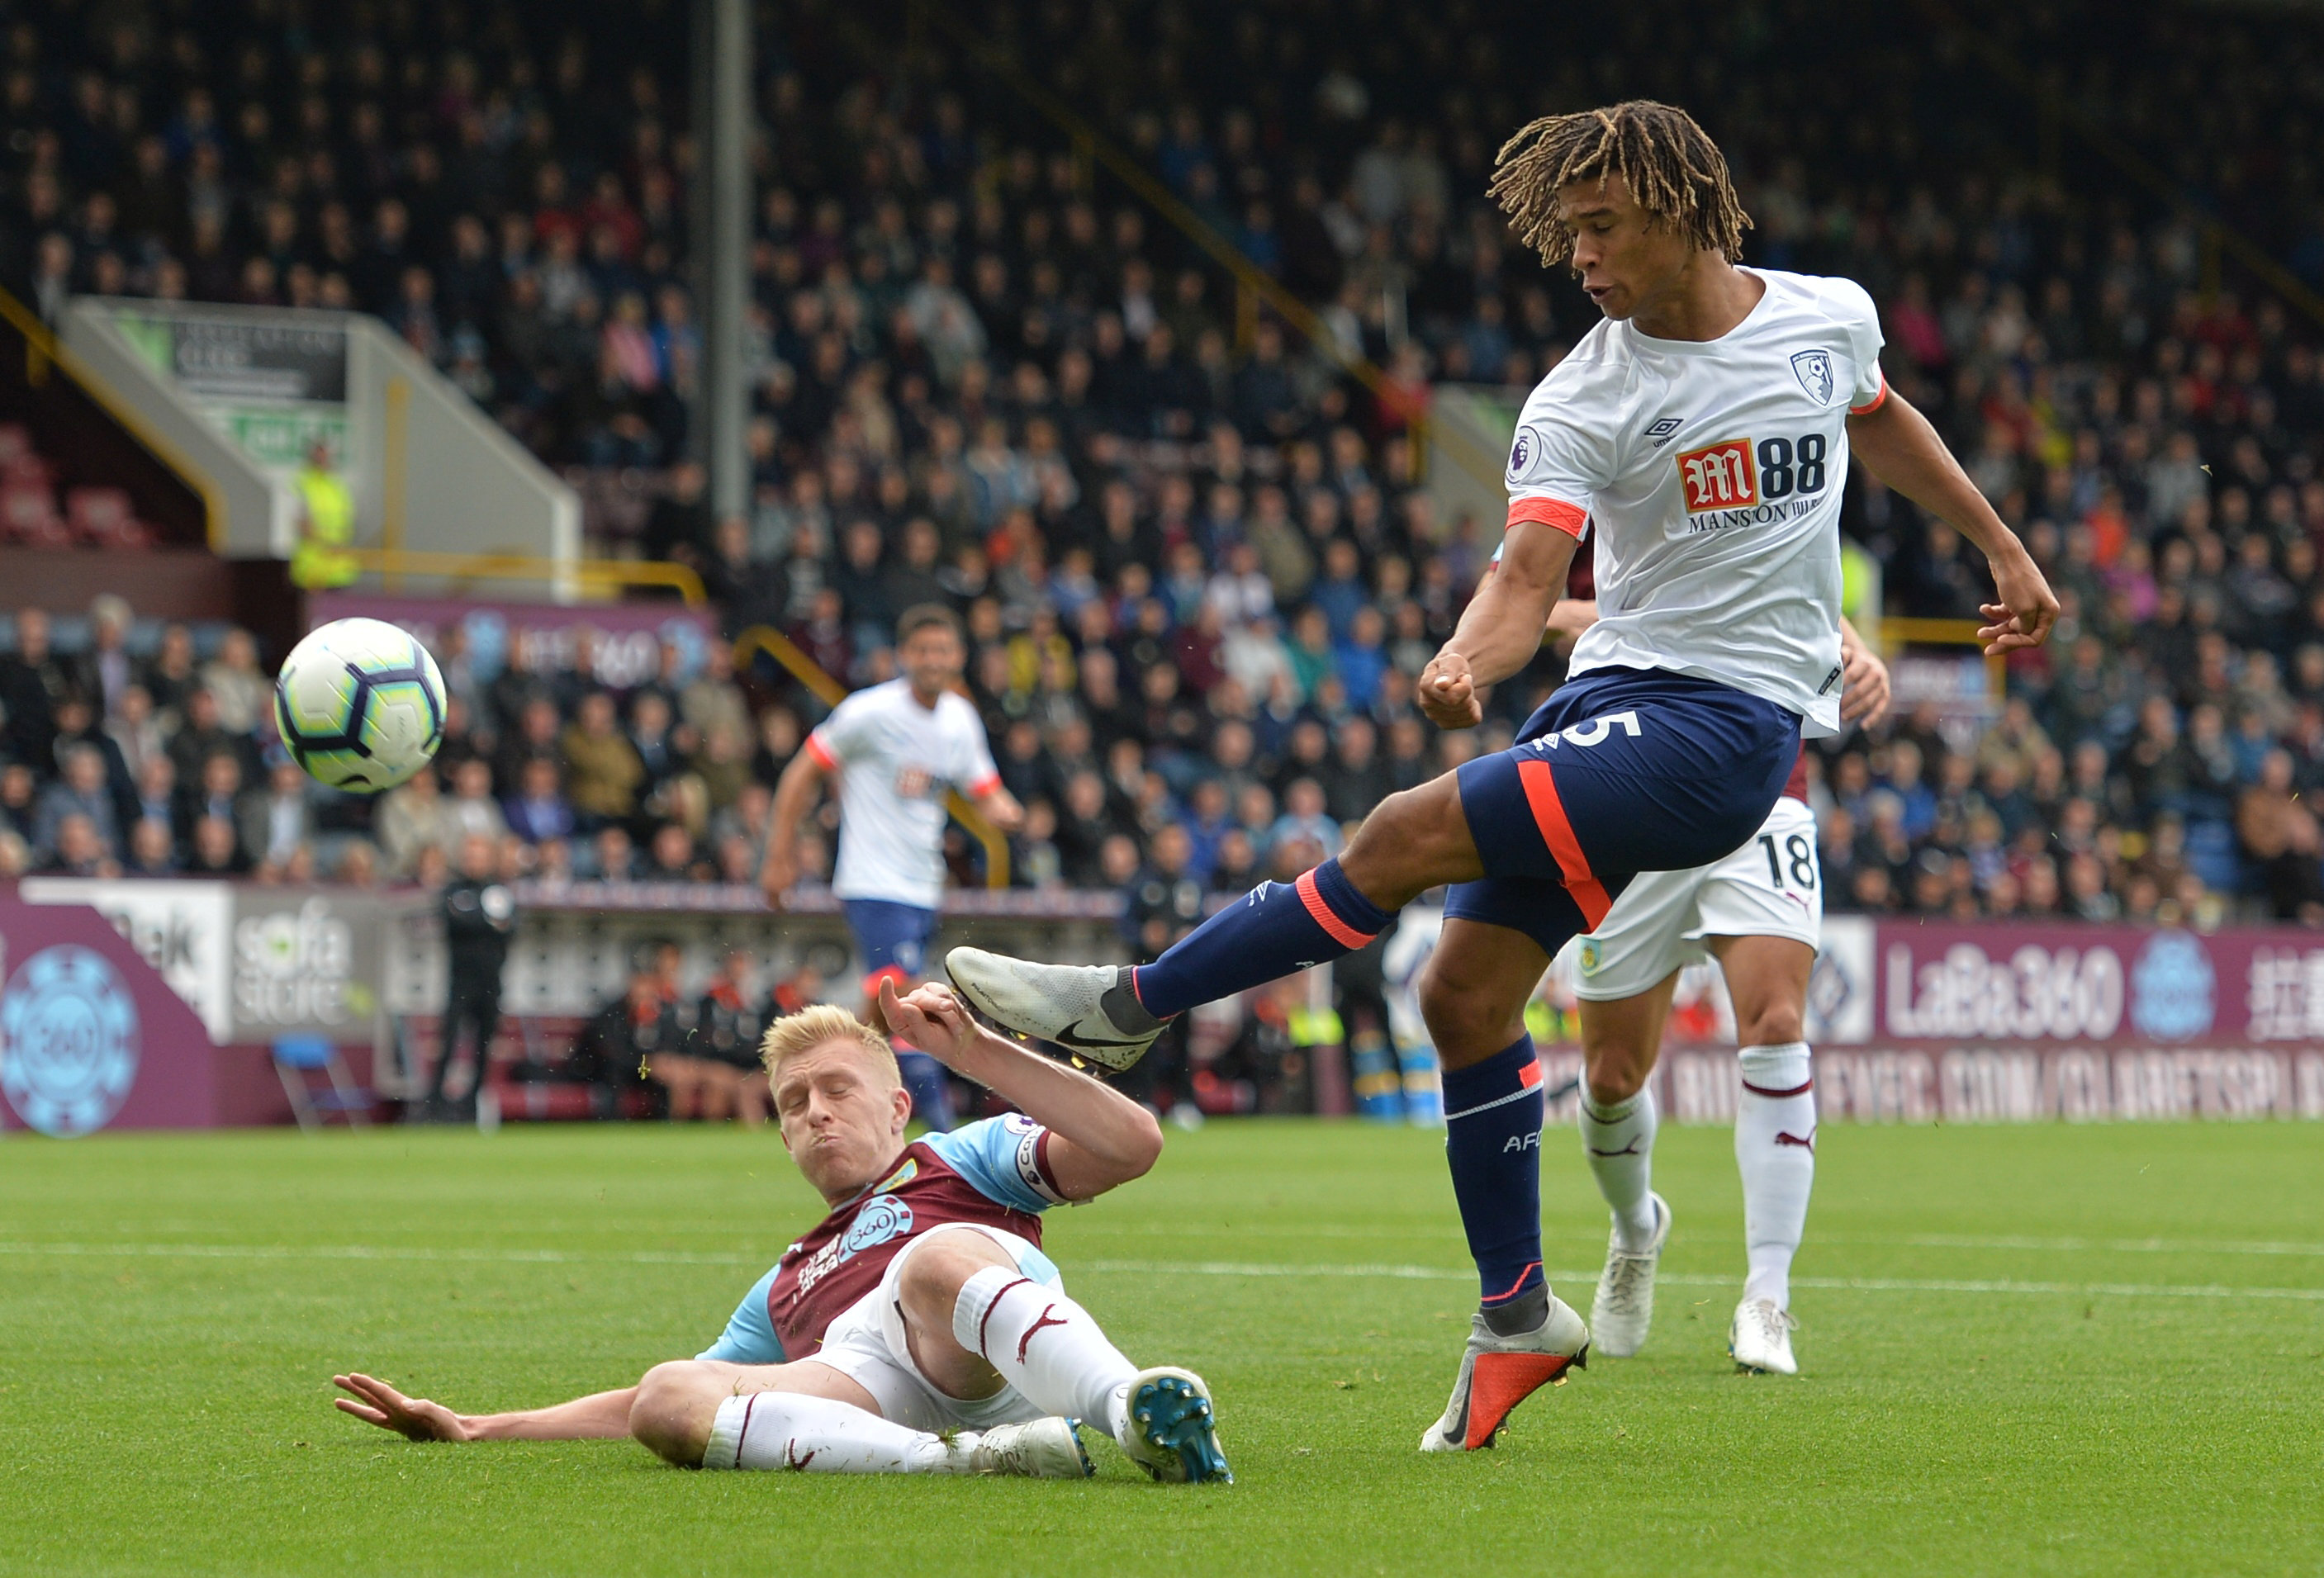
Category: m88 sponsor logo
<point>1739,473</point>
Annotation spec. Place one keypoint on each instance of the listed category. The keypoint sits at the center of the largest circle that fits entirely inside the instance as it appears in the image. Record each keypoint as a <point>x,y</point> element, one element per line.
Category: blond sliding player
<point>918,1328</point>
<point>1759,912</point>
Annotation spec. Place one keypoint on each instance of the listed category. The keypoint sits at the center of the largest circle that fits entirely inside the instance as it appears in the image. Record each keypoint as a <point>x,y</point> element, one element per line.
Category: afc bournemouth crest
<point>1813,369</point>
<point>67,1041</point>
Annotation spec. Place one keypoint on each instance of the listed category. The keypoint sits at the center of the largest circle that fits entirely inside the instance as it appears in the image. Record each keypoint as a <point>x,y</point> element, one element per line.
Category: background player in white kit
<point>1759,912</point>
<point>896,748</point>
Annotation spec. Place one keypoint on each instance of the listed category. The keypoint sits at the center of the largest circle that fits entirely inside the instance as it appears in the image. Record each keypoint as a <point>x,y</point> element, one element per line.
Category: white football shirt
<point>1713,470</point>
<point>895,760</point>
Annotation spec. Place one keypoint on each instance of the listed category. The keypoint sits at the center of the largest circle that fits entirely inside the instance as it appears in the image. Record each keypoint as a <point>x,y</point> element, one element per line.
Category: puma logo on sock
<point>1807,1145</point>
<point>1632,1149</point>
<point>1026,1341</point>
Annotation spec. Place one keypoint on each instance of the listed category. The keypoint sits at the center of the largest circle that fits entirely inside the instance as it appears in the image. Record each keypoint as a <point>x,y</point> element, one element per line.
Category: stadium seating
<point>1193,552</point>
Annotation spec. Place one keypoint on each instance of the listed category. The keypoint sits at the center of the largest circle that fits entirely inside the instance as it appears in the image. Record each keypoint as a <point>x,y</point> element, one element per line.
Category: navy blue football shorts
<point>893,940</point>
<point>1622,771</point>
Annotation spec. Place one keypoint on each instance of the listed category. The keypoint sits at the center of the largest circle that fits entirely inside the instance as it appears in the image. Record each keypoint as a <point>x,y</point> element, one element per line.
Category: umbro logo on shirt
<point>1662,432</point>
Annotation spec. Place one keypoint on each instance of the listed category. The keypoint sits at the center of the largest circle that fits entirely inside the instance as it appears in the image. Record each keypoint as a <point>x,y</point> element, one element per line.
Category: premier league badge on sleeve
<point>1813,369</point>
<point>1521,452</point>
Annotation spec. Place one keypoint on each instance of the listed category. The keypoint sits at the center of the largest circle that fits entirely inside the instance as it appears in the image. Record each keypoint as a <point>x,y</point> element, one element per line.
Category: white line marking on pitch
<point>1842,1284</point>
<point>1404,1273</point>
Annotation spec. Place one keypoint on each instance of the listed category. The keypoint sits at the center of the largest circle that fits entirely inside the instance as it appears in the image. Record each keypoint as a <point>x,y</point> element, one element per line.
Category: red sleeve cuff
<point>1874,403</point>
<point>984,786</point>
<point>1567,518</point>
<point>821,752</point>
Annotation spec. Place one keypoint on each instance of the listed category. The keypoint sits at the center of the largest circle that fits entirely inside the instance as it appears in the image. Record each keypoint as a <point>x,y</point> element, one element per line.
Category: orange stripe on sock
<point>1549,815</point>
<point>1340,932</point>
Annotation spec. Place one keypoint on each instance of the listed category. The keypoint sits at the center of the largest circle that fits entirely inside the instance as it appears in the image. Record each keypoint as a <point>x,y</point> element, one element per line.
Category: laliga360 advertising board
<point>2013,1023</point>
<point>91,1036</point>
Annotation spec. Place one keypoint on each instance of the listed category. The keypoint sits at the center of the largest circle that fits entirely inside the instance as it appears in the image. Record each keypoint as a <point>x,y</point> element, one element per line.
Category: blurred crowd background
<point>1189,544</point>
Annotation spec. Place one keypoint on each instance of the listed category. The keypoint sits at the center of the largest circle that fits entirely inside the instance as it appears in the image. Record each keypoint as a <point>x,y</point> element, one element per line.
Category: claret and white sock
<point>816,1436</point>
<point>1775,1150</point>
<point>1045,1345</point>
<point>1619,1138</point>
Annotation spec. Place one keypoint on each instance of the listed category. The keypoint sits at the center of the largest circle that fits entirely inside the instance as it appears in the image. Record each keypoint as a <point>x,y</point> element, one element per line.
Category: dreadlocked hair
<point>1671,165</point>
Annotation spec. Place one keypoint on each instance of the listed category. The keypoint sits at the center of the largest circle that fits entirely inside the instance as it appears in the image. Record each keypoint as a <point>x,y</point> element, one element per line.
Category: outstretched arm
<point>1000,809</point>
<point>795,793</point>
<point>1098,1137</point>
<point>1898,446</point>
<point>600,1416</point>
<point>1500,630</point>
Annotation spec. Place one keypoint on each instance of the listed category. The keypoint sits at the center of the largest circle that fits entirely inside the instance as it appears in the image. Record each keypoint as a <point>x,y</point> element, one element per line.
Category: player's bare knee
<point>671,1414</point>
<point>1776,1024</point>
<point>1413,840</point>
<point>930,1284</point>
<point>1614,1079</point>
<point>1465,1021</point>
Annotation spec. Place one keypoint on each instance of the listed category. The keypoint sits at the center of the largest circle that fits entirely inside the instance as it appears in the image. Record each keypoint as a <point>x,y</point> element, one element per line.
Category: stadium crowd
<point>1196,559</point>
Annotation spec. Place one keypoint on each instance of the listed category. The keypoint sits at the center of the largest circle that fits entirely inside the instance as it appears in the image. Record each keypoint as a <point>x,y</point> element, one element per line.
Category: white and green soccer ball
<point>360,704</point>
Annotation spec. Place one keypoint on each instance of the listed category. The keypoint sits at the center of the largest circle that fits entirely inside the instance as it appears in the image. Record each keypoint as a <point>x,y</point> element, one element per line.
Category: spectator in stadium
<point>153,853</point>
<point>603,772</point>
<point>33,679</point>
<point>538,811</point>
<point>244,696</point>
<point>79,791</point>
<point>412,818</point>
<point>216,850</point>
<point>277,821</point>
<point>202,735</point>
<point>470,811</point>
<point>727,1025</point>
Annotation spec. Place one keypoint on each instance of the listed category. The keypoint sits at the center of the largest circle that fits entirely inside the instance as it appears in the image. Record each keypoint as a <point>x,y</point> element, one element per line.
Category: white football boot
<point>1498,1374</point>
<point>1039,1449</point>
<point>1625,1306</point>
<point>1761,1338</point>
<point>1089,1010</point>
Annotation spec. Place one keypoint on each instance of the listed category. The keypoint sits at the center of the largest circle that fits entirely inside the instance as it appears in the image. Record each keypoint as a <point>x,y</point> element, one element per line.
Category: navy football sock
<point>1492,1138</point>
<point>1274,930</point>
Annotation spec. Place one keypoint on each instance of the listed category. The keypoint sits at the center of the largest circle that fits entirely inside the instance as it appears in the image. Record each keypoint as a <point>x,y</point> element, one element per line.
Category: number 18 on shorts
<point>1770,887</point>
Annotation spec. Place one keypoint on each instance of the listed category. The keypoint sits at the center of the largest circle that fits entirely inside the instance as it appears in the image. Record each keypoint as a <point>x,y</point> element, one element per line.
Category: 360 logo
<point>68,1045</point>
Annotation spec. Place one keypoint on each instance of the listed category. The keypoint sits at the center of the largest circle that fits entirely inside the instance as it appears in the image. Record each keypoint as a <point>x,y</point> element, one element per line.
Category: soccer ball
<point>360,704</point>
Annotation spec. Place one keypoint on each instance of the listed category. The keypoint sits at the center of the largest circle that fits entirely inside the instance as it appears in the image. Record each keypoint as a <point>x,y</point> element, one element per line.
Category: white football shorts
<point>867,1343</point>
<point>1771,887</point>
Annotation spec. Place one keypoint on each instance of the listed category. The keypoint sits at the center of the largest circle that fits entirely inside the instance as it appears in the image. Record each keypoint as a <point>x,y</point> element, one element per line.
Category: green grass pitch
<point>2053,1348</point>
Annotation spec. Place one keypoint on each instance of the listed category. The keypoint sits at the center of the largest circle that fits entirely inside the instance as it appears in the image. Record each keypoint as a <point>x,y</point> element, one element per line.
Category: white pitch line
<point>1383,1272</point>
<point>1836,1284</point>
<point>2126,1246</point>
<point>373,1252</point>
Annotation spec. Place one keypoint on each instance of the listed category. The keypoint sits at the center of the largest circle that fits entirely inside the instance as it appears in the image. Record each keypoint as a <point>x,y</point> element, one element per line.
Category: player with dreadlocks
<point>1705,429</point>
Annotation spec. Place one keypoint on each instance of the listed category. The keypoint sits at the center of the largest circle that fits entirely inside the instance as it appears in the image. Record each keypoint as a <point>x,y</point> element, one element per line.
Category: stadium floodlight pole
<point>722,125</point>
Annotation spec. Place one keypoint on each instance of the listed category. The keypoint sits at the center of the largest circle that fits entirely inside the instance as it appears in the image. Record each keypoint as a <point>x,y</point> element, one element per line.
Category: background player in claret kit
<point>1759,912</point>
<point>1705,429</point>
<point>896,748</point>
<point>918,1328</point>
